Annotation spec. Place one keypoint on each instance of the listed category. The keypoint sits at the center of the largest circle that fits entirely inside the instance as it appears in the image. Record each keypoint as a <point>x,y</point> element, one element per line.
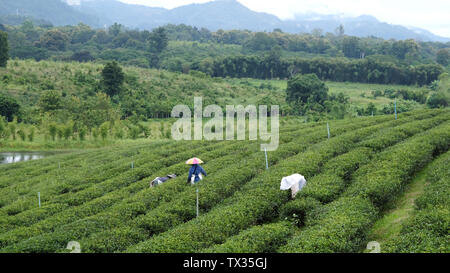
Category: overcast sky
<point>433,15</point>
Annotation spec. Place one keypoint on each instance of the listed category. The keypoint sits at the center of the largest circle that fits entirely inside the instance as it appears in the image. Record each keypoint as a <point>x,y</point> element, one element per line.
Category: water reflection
<point>7,158</point>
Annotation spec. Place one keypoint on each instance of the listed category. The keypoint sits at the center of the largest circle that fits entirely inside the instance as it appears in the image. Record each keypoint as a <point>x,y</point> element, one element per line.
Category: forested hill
<point>214,15</point>
<point>223,14</point>
<point>52,11</point>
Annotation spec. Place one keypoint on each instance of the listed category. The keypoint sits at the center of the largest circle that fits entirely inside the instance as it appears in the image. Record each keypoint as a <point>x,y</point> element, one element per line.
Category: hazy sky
<point>433,15</point>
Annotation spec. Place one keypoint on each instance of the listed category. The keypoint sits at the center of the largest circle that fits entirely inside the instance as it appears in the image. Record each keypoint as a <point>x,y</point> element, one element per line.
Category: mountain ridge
<point>213,15</point>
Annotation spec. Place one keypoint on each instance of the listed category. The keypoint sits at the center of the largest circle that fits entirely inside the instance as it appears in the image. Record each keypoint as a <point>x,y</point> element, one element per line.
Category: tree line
<point>145,48</point>
<point>332,69</point>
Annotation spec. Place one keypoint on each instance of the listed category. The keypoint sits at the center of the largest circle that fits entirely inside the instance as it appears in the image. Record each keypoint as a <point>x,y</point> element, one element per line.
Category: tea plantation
<point>101,197</point>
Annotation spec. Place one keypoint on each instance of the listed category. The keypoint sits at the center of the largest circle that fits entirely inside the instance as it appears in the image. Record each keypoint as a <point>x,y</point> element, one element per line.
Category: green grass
<point>390,224</point>
<point>27,80</point>
<point>360,93</point>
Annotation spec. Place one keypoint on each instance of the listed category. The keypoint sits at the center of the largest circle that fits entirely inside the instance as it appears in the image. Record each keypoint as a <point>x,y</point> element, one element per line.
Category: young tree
<point>22,134</point>
<point>9,107</point>
<point>104,128</point>
<point>2,127</point>
<point>68,131</point>
<point>443,56</point>
<point>112,78</point>
<point>50,100</point>
<point>31,134</point>
<point>60,132</point>
<point>438,100</point>
<point>350,47</point>
<point>82,133</point>
<point>340,30</point>
<point>54,40</point>
<point>118,132</point>
<point>12,129</point>
<point>4,48</point>
<point>53,130</point>
<point>134,132</point>
<point>95,133</point>
<point>158,40</point>
<point>115,29</point>
<point>306,88</point>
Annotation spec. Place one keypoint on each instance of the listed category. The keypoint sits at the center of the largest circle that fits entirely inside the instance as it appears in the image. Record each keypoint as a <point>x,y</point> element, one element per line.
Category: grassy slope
<point>28,79</point>
<point>353,90</point>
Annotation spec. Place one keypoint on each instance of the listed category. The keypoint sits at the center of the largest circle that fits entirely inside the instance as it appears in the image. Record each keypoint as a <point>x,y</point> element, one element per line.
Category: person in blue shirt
<point>196,171</point>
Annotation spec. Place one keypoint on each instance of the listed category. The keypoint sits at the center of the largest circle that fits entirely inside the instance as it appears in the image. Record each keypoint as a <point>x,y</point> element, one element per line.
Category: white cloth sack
<point>193,178</point>
<point>295,183</point>
<point>155,182</point>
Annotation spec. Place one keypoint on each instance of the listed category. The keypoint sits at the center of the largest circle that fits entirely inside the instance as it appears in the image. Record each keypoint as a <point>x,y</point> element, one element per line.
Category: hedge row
<point>258,201</point>
<point>49,196</point>
<point>72,178</point>
<point>212,190</point>
<point>81,228</point>
<point>68,180</point>
<point>100,204</point>
<point>23,220</point>
<point>23,171</point>
<point>339,226</point>
<point>129,208</point>
<point>258,239</point>
<point>428,229</point>
<point>437,192</point>
<point>344,228</point>
<point>240,147</point>
<point>325,187</point>
<point>382,180</point>
<point>426,232</point>
<point>155,197</point>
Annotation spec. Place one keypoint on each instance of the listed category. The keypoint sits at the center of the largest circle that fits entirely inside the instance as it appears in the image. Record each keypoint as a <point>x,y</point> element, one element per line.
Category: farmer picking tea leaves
<point>196,171</point>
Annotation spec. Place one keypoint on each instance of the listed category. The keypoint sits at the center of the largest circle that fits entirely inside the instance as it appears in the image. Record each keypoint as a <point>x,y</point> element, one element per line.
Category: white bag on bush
<point>295,183</point>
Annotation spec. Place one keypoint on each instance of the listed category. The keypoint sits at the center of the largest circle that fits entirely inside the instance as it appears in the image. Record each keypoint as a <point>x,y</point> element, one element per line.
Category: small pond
<point>13,157</point>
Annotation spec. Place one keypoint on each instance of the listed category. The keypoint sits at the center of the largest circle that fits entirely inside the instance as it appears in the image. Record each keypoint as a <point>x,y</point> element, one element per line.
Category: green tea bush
<point>258,239</point>
<point>427,229</point>
<point>426,232</point>
<point>297,210</point>
<point>256,202</point>
<point>382,180</point>
<point>340,226</point>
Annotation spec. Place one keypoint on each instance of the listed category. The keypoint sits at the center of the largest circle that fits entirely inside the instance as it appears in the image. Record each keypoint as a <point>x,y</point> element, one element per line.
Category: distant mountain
<point>223,14</point>
<point>54,11</point>
<point>361,26</point>
<point>230,14</point>
<point>219,14</point>
<point>135,16</point>
<point>214,15</point>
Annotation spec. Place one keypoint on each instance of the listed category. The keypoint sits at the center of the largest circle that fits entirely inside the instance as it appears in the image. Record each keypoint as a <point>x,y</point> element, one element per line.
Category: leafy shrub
<point>427,231</point>
<point>324,187</point>
<point>340,226</point>
<point>104,128</point>
<point>82,133</point>
<point>22,134</point>
<point>31,134</point>
<point>258,239</point>
<point>297,210</point>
